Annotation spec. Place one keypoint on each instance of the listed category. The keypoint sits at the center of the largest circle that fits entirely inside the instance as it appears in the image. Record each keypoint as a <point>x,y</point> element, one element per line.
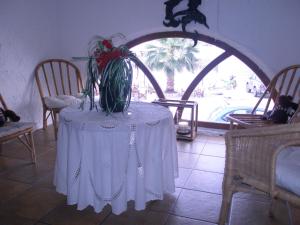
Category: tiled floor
<point>27,196</point>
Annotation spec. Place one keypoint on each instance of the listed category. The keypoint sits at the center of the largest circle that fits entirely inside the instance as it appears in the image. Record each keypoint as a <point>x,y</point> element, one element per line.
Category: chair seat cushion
<point>61,101</point>
<point>287,169</point>
<point>13,127</point>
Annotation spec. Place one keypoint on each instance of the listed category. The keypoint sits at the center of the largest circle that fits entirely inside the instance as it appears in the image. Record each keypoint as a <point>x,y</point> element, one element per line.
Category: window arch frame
<point>228,52</point>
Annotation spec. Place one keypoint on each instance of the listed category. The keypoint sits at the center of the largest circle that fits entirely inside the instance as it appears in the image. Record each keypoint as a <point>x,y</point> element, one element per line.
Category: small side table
<point>185,129</point>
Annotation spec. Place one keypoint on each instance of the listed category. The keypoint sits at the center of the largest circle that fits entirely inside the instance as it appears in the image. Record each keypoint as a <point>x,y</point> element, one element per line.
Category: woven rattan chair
<point>59,83</point>
<point>20,130</point>
<point>286,82</point>
<point>251,162</point>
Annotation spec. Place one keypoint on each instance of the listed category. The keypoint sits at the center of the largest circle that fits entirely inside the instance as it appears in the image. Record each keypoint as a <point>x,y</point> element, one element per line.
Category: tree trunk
<point>170,83</point>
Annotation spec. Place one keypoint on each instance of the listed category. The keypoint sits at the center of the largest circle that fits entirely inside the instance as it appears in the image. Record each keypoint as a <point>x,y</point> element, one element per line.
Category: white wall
<point>265,30</point>
<point>28,34</point>
<point>268,30</point>
<point>30,30</point>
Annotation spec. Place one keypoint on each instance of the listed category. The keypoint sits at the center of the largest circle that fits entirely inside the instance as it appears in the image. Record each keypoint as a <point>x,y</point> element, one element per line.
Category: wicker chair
<point>251,160</point>
<point>286,82</point>
<point>20,130</point>
<point>59,83</point>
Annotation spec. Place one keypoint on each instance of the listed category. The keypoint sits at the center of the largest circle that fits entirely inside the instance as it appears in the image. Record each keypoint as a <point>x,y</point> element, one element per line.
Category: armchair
<point>285,82</point>
<point>256,159</point>
<point>20,130</point>
<point>59,83</point>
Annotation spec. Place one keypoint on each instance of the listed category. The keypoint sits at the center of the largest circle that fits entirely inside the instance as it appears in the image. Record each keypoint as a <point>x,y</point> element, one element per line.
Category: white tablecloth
<point>111,159</point>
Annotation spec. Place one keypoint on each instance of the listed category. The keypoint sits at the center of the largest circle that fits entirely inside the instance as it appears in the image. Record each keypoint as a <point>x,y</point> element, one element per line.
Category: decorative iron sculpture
<point>184,17</point>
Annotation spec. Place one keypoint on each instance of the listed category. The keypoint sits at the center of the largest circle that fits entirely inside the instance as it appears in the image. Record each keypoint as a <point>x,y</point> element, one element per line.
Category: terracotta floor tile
<point>296,215</point>
<point>28,196</point>
<point>257,197</point>
<point>6,219</point>
<point>45,137</point>
<point>137,218</point>
<point>8,163</point>
<point>167,204</point>
<point>201,138</point>
<point>34,203</point>
<point>211,164</point>
<point>48,158</point>
<point>41,149</point>
<point>184,174</point>
<point>66,214</point>
<point>211,132</point>
<point>29,173</point>
<point>253,212</point>
<point>205,181</point>
<point>213,149</point>
<point>198,205</point>
<point>187,160</point>
<point>190,147</point>
<point>177,220</point>
<point>15,149</point>
<point>10,189</point>
<point>215,139</point>
<point>46,181</point>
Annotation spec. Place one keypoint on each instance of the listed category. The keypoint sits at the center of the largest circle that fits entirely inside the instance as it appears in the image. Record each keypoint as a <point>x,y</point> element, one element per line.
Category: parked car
<point>220,114</point>
<point>257,88</point>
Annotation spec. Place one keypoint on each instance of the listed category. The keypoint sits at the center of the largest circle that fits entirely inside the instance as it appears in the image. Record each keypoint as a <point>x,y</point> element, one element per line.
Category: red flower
<point>105,57</point>
<point>107,44</point>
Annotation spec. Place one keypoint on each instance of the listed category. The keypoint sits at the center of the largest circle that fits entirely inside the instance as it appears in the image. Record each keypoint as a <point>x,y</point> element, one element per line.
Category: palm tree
<point>171,55</point>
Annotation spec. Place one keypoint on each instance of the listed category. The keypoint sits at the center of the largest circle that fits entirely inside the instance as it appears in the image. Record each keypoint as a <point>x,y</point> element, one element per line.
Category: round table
<point>111,159</point>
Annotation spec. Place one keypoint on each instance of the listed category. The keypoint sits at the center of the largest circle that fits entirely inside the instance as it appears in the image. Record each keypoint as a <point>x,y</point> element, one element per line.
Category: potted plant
<point>109,71</point>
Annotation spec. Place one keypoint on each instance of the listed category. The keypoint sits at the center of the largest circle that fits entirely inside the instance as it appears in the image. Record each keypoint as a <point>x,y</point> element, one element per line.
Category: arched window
<point>220,82</point>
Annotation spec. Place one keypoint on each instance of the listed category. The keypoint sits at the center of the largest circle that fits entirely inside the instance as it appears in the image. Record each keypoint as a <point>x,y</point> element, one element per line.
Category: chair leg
<point>271,209</point>
<point>33,155</point>
<point>29,144</point>
<point>44,118</point>
<point>290,213</point>
<point>225,207</point>
<point>55,124</point>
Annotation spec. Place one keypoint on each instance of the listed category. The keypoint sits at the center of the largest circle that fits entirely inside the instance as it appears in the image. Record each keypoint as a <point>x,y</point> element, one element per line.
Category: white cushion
<point>287,169</point>
<point>61,101</point>
<point>13,127</point>
<point>79,95</point>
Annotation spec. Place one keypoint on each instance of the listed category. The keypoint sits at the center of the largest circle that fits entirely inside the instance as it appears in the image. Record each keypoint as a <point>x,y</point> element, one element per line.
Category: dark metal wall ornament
<point>184,17</point>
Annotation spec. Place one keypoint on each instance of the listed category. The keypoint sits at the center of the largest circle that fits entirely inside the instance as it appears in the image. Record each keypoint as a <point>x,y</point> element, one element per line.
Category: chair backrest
<point>286,82</point>
<point>2,103</point>
<point>58,77</point>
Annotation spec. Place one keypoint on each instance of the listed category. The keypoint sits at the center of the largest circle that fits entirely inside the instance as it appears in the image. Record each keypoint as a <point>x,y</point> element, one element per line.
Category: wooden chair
<point>59,83</point>
<point>286,82</point>
<point>251,163</point>
<point>20,130</point>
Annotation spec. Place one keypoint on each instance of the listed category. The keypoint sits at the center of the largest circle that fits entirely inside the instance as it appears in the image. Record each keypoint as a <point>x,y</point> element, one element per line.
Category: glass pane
<point>174,63</point>
<point>228,89</point>
<point>142,89</point>
<point>231,87</point>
